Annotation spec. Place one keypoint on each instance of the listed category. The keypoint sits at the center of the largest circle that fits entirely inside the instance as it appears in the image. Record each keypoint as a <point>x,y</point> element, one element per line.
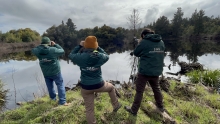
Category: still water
<point>24,78</point>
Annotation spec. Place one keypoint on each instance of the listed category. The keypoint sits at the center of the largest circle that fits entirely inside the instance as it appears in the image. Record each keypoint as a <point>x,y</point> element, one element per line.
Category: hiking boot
<point>128,109</point>
<point>118,107</point>
<point>162,109</point>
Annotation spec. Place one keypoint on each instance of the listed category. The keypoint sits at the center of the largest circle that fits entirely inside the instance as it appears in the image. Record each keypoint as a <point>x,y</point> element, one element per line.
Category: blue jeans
<point>58,79</point>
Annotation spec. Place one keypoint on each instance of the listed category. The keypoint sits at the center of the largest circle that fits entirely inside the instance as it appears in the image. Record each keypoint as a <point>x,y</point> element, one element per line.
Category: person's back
<point>151,53</point>
<point>48,58</point>
<point>90,60</point>
<point>47,53</point>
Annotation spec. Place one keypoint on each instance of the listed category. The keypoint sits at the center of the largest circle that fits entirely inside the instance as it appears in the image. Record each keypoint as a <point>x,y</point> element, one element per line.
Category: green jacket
<point>90,62</point>
<point>151,53</point>
<point>48,58</point>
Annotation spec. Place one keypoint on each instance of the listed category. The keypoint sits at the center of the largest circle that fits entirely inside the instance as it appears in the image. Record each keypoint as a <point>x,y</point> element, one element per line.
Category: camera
<point>135,39</point>
<point>135,43</point>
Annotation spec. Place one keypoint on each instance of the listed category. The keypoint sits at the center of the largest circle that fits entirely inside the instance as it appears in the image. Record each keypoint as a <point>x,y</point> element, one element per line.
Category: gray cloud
<point>97,20</point>
<point>151,15</point>
<point>211,7</point>
<point>39,15</point>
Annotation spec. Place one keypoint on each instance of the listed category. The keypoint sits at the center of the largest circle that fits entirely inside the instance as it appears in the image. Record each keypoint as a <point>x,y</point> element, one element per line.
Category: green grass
<point>207,77</point>
<point>200,107</point>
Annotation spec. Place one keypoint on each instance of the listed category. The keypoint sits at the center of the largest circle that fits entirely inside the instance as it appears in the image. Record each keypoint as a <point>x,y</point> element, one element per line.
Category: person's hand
<point>82,43</point>
<point>52,43</point>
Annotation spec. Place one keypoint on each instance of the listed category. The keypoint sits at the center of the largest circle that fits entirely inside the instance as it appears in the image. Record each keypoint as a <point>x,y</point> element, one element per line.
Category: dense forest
<point>197,26</point>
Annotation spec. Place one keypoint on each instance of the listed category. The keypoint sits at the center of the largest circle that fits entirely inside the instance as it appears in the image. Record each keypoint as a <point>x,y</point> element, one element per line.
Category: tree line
<point>67,35</point>
<point>196,25</point>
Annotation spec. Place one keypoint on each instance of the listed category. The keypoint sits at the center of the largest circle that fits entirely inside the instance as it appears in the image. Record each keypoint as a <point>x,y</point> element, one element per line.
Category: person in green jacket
<point>90,57</point>
<point>47,53</point>
<point>150,51</point>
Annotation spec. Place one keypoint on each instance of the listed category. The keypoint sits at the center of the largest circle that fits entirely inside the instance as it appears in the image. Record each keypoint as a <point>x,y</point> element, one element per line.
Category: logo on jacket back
<point>156,50</point>
<point>90,69</point>
<point>45,60</point>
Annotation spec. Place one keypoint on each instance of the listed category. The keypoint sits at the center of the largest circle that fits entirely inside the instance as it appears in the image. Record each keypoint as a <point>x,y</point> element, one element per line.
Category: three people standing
<point>90,57</point>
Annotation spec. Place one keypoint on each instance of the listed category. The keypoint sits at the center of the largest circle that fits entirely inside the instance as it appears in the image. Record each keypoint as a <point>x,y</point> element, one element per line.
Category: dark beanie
<point>45,40</point>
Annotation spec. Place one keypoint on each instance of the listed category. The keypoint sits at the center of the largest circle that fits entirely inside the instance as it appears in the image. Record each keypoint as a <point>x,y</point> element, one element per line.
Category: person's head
<point>90,42</point>
<point>146,31</point>
<point>45,41</point>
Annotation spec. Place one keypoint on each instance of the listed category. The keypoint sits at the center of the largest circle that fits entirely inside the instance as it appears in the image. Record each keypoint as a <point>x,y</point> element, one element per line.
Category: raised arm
<point>103,57</point>
<point>74,56</point>
<point>138,50</point>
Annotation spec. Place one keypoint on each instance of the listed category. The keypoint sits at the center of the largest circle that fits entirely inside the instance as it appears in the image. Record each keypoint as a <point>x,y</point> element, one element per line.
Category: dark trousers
<point>140,87</point>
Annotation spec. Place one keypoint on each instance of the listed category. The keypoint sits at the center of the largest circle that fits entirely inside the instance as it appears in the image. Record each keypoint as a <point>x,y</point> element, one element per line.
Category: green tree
<point>198,21</point>
<point>177,22</point>
<point>10,38</point>
<point>83,33</point>
<point>20,35</point>
<point>1,36</point>
<point>162,26</point>
<point>64,34</point>
<point>71,26</point>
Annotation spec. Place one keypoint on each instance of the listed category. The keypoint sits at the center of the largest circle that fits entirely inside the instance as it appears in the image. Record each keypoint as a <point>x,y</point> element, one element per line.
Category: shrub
<point>2,96</point>
<point>207,77</point>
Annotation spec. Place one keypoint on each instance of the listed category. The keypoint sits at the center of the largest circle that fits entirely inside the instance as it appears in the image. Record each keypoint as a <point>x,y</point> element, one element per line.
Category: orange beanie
<point>91,42</point>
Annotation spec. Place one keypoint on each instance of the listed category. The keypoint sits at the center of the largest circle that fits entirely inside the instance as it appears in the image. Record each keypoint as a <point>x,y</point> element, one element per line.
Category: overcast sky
<point>39,15</point>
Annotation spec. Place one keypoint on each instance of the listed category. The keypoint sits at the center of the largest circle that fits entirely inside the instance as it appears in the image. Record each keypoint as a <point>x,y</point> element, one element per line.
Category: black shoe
<point>162,109</point>
<point>128,109</point>
<point>118,107</point>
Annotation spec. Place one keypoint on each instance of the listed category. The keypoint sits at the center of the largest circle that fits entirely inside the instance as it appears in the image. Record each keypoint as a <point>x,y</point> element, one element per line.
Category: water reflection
<point>22,75</point>
<point>192,50</point>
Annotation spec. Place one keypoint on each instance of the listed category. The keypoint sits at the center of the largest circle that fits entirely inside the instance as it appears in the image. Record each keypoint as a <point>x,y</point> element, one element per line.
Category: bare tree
<point>134,21</point>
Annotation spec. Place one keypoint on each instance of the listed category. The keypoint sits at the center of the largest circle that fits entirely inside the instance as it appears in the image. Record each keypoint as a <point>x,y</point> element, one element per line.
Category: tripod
<point>135,63</point>
<point>134,69</point>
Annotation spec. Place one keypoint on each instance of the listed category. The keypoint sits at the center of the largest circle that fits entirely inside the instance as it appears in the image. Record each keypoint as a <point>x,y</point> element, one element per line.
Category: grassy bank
<point>186,104</point>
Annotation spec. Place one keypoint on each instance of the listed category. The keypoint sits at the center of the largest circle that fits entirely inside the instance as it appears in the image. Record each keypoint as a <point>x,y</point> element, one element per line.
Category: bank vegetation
<point>3,96</point>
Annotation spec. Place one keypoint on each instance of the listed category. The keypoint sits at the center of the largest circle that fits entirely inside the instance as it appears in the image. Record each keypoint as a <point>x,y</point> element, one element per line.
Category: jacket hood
<point>43,49</point>
<point>93,59</point>
<point>153,37</point>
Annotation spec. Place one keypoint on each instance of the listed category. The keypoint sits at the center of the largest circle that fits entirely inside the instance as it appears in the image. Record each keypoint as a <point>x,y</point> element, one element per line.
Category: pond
<point>24,78</point>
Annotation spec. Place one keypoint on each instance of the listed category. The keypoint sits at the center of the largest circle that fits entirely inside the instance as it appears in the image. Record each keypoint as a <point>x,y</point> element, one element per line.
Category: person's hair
<point>147,31</point>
